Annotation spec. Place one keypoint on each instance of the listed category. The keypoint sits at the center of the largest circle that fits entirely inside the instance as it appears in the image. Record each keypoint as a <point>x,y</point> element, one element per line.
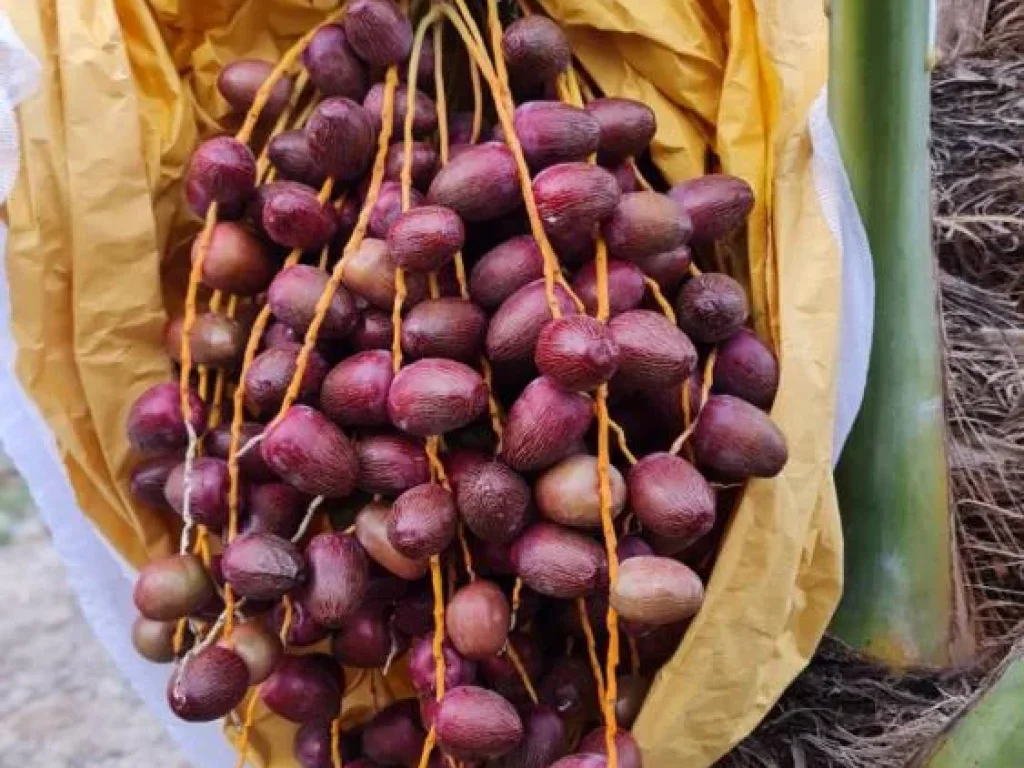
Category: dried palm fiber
<point>844,711</point>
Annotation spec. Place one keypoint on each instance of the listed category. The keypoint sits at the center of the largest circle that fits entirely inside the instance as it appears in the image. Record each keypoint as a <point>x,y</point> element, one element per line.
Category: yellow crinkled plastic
<point>96,226</point>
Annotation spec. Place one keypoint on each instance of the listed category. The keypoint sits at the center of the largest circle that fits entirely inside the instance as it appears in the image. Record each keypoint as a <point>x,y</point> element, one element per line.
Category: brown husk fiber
<point>844,711</point>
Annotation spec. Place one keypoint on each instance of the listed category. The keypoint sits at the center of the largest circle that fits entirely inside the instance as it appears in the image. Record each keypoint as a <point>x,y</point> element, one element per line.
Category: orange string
<point>263,163</point>
<point>238,416</point>
<point>428,747</point>
<point>588,633</point>
<point>493,406</point>
<point>659,298</point>
<point>283,66</point>
<point>707,380</point>
<point>324,303</point>
<point>467,555</point>
<point>436,465</point>
<point>336,740</point>
<point>260,324</point>
<point>396,319</point>
<point>202,547</point>
<point>620,437</point>
<point>229,610</point>
<point>437,469</point>
<point>517,596</point>
<point>524,676</point>
<point>610,692</point>
<point>325,254</point>
<point>194,278</point>
<point>475,34</point>
<point>437,584</point>
<point>178,643</point>
<point>286,621</point>
<point>607,524</point>
<point>687,414</point>
<point>244,135</point>
<point>478,103</point>
<point>502,102</point>
<point>250,715</point>
<point>410,104</point>
<point>376,178</point>
<point>694,270</point>
<point>440,95</point>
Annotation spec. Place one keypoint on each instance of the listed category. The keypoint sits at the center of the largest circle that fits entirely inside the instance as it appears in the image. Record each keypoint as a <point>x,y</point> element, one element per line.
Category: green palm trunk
<point>990,733</point>
<point>900,596</point>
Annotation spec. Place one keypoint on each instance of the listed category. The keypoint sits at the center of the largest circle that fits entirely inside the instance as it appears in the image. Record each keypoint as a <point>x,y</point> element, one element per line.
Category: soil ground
<point>63,703</point>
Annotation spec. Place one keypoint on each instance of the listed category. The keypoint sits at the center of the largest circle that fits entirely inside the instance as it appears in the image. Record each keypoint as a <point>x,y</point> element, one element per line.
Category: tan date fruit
<point>478,618</point>
<point>569,492</point>
<point>656,591</point>
<point>370,273</point>
<point>172,587</point>
<point>235,261</point>
<point>372,533</point>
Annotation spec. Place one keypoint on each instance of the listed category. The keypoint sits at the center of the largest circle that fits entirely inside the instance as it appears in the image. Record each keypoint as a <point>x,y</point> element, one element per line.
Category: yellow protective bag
<point>97,228</point>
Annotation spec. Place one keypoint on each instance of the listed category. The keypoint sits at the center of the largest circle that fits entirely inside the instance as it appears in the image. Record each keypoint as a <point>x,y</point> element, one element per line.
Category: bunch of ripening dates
<point>435,412</point>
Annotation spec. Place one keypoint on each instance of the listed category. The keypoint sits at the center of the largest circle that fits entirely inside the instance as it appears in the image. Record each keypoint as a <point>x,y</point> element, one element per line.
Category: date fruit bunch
<point>451,388</point>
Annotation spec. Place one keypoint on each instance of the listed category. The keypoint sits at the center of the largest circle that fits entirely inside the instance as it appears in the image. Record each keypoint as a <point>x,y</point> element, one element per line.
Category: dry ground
<point>63,703</point>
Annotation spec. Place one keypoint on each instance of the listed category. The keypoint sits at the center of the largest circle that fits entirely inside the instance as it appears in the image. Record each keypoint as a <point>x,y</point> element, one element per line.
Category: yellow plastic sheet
<point>96,228</point>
